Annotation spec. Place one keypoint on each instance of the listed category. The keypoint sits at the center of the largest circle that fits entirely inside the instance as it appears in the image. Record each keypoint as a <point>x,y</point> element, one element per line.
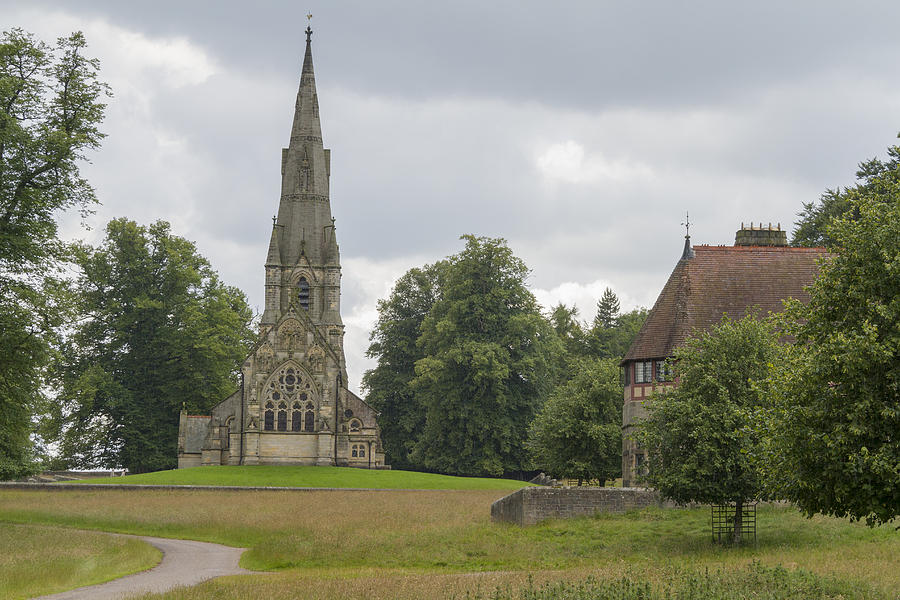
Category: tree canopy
<point>578,433</point>
<point>51,104</point>
<point>702,436</point>
<point>836,445</point>
<point>157,331</point>
<point>486,368</point>
<point>876,178</point>
<point>393,344</point>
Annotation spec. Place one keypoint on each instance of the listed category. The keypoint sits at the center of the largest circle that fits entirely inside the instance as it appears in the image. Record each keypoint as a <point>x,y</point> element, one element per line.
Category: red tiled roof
<point>722,279</point>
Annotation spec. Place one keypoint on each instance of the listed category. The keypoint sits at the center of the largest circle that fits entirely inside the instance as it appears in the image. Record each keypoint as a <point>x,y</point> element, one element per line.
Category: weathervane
<point>687,224</point>
<point>308,28</point>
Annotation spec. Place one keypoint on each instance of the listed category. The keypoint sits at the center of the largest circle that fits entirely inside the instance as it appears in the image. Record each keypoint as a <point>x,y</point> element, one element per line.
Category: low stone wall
<point>532,505</point>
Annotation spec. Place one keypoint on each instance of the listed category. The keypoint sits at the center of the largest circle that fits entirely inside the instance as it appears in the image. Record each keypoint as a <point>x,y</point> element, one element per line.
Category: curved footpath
<point>185,562</point>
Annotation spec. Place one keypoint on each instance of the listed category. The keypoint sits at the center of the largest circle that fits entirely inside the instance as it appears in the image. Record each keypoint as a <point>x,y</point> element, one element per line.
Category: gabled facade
<point>293,406</point>
<point>755,274</point>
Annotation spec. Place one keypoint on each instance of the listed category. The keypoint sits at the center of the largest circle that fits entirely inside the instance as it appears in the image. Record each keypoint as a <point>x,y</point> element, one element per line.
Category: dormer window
<point>303,293</point>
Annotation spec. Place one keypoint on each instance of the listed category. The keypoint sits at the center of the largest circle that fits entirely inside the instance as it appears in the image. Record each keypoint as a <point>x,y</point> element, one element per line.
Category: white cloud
<point>569,163</point>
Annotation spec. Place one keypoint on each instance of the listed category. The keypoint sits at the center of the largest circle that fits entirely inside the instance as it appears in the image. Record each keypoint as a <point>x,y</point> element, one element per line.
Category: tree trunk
<point>738,521</point>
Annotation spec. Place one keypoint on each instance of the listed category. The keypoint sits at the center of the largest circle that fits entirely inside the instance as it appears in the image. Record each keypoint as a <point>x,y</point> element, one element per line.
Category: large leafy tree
<point>578,432</point>
<point>837,433</point>
<point>875,180</point>
<point>393,343</point>
<point>157,331</point>
<point>486,368</point>
<point>702,437</point>
<point>51,103</point>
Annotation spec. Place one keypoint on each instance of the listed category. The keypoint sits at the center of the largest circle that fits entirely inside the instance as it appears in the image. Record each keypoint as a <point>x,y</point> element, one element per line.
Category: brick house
<point>757,273</point>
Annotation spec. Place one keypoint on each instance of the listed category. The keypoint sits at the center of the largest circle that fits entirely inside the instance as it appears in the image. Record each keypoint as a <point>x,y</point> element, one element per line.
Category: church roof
<point>719,280</point>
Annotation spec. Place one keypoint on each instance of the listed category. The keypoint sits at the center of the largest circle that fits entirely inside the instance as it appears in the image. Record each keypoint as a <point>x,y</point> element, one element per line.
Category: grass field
<point>38,560</point>
<point>433,544</point>
<point>315,477</point>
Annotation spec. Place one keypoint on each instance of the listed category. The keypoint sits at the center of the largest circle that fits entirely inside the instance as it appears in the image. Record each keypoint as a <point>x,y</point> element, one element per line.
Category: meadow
<point>38,559</point>
<point>439,544</point>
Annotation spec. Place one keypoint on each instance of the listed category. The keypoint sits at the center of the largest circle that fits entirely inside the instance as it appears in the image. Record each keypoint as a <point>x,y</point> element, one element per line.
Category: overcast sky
<point>579,131</point>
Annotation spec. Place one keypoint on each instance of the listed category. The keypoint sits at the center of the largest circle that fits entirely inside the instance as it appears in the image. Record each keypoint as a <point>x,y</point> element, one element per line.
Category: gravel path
<point>185,562</point>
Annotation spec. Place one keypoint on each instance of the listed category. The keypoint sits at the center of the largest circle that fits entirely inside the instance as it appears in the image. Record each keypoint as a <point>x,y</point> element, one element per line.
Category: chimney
<point>760,235</point>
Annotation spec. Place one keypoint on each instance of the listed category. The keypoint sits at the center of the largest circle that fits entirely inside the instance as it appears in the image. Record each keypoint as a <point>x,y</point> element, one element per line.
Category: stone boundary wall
<point>531,505</point>
<point>63,487</point>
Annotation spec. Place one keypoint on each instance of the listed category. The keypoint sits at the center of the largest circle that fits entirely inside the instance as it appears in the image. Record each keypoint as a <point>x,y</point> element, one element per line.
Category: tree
<point>836,445</point>
<point>607,310</point>
<point>393,343</point>
<point>613,342</point>
<point>578,433</point>
<point>50,108</point>
<point>157,332</point>
<point>570,332</point>
<point>875,177</point>
<point>486,366</point>
<point>701,436</point>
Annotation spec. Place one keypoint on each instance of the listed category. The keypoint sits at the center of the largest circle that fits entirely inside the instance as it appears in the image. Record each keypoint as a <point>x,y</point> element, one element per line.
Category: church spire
<point>304,212</point>
<point>306,111</point>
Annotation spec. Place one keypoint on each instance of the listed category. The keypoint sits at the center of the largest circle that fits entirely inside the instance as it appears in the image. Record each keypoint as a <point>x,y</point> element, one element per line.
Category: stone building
<point>757,273</point>
<point>293,406</point>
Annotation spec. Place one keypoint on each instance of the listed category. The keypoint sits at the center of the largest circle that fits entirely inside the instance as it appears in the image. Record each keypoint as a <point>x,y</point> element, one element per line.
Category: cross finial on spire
<point>308,28</point>
<point>687,224</point>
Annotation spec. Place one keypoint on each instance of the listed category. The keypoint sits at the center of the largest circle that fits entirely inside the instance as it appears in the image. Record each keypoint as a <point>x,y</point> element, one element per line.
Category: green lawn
<point>37,559</point>
<point>314,477</point>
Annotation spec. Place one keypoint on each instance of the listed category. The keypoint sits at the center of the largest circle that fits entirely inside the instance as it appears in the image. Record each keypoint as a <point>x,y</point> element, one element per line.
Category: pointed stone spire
<point>274,257</point>
<point>304,212</point>
<point>306,110</point>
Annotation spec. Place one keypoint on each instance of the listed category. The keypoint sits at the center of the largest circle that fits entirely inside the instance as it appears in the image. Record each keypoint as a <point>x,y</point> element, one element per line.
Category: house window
<point>362,451</point>
<point>643,371</point>
<point>640,464</point>
<point>303,293</point>
<point>354,451</point>
<point>355,425</point>
<point>663,371</point>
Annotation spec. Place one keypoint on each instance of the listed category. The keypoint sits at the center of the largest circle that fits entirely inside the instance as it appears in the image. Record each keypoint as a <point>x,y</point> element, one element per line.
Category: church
<point>293,405</point>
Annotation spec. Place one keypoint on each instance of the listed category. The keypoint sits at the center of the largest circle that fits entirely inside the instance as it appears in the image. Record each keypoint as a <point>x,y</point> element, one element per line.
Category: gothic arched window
<point>269,423</point>
<point>288,396</point>
<point>354,451</point>
<point>362,451</point>
<point>282,417</point>
<point>303,293</point>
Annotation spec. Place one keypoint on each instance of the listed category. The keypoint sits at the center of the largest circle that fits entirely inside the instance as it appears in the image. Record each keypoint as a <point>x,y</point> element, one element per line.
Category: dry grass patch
<point>403,543</point>
<point>36,560</point>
